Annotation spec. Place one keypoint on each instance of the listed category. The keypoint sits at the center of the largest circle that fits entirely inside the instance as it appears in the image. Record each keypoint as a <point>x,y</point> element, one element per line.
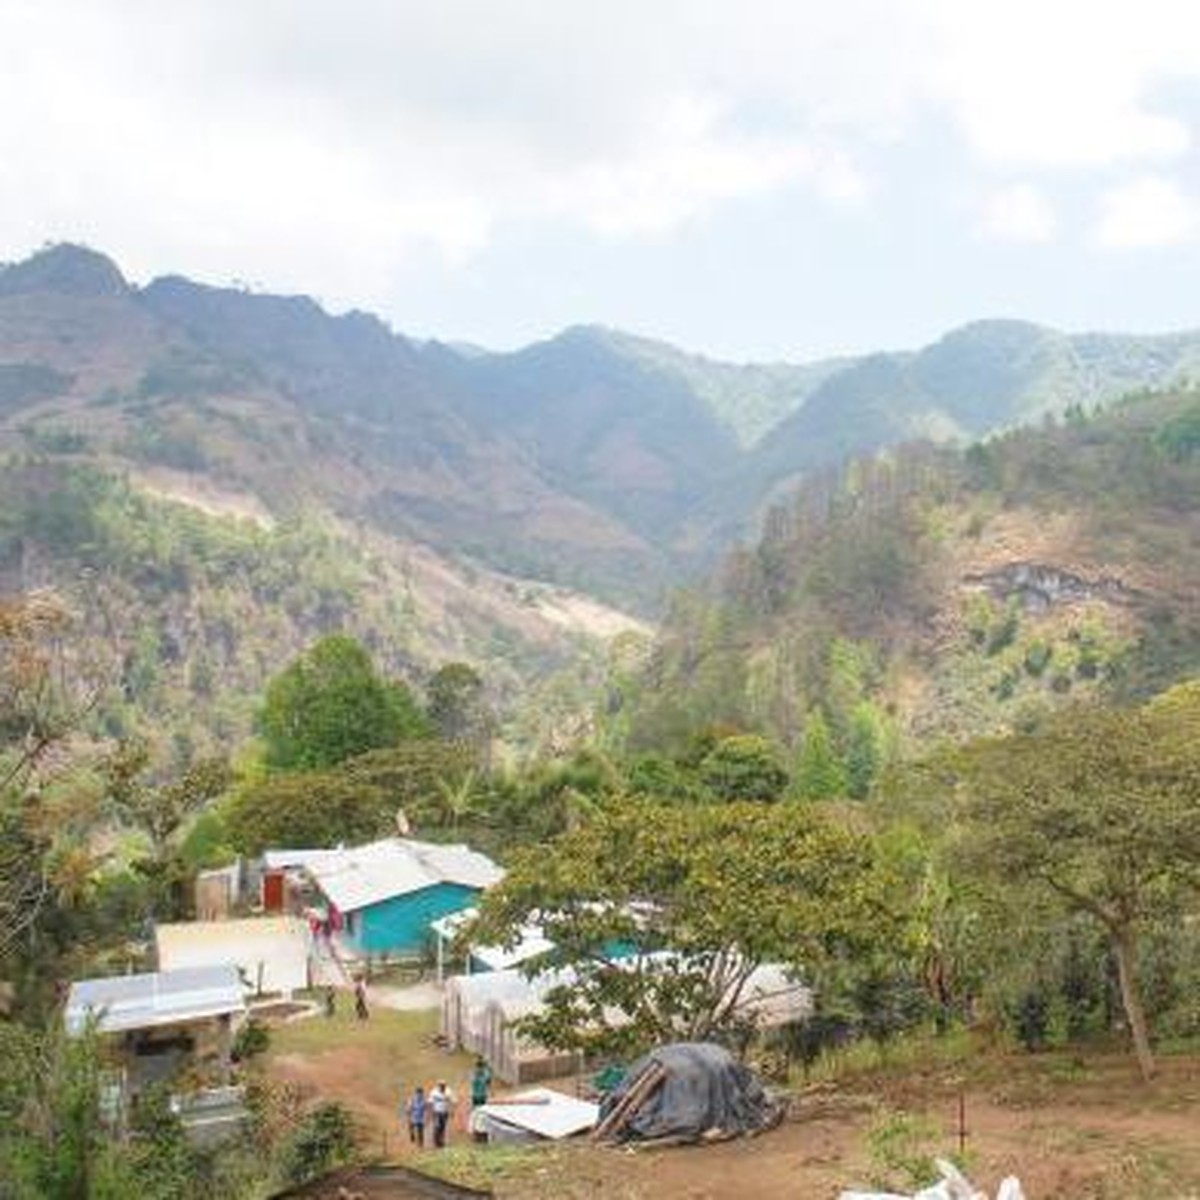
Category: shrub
<point>326,1138</point>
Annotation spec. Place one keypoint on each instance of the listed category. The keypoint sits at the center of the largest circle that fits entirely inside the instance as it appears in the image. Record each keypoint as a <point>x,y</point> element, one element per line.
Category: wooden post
<point>225,1043</point>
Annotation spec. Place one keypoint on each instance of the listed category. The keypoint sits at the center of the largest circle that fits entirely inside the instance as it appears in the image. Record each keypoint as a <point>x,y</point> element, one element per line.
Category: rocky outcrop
<point>1040,586</point>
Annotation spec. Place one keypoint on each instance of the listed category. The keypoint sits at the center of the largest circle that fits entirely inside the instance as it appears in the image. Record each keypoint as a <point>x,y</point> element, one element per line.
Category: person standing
<point>441,1102</point>
<point>360,1000</point>
<point>417,1104</point>
<point>481,1082</point>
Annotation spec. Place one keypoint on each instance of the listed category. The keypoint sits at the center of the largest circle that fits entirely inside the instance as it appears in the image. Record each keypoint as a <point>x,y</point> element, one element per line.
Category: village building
<point>271,954</point>
<point>481,1013</point>
<point>381,899</point>
<point>162,1022</point>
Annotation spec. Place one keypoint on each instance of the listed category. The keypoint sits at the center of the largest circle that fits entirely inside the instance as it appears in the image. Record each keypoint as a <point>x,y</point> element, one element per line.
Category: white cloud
<point>1018,213</point>
<point>1064,83</point>
<point>1146,213</point>
<point>323,147</point>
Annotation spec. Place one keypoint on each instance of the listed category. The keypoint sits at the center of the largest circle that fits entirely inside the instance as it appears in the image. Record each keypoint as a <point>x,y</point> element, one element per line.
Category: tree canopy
<point>1100,808</point>
<point>663,912</point>
<point>330,705</point>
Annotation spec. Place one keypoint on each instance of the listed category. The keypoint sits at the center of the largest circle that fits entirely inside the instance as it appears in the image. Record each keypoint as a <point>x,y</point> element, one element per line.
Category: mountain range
<point>594,459</point>
<point>541,492</point>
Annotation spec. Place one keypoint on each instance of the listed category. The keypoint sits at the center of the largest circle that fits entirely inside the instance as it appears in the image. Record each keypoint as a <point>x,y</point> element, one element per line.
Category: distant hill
<point>978,379</point>
<point>931,593</point>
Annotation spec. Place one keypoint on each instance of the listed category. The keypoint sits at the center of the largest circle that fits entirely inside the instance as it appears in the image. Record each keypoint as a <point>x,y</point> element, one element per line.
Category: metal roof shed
<point>129,1002</point>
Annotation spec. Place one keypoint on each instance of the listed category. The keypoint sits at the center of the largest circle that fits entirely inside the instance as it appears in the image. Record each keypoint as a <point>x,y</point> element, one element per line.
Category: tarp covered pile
<point>952,1186</point>
<point>688,1091</point>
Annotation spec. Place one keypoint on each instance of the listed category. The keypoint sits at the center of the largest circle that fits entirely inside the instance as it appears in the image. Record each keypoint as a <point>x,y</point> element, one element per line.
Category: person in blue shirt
<point>415,1110</point>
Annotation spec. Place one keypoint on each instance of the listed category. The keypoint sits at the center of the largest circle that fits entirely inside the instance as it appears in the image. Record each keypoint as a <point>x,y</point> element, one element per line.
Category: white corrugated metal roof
<point>161,998</point>
<point>769,995</point>
<point>531,941</point>
<point>550,1115</point>
<point>361,875</point>
<point>282,860</point>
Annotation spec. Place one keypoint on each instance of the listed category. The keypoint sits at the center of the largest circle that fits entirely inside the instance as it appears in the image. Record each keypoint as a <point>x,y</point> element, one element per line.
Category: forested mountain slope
<point>189,459</point>
<point>978,379</point>
<point>932,593</point>
<point>595,459</point>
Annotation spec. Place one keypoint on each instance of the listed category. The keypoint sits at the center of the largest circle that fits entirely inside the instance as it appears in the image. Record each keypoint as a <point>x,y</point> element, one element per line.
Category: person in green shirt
<point>481,1082</point>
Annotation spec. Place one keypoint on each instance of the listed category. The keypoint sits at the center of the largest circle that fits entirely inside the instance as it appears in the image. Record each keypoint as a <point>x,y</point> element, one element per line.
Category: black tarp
<point>705,1091</point>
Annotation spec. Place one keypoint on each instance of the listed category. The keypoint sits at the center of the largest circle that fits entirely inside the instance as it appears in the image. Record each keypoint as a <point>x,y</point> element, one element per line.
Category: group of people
<point>437,1105</point>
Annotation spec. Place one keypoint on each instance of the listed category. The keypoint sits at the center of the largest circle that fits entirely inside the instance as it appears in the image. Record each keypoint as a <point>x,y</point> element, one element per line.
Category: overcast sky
<point>751,178</point>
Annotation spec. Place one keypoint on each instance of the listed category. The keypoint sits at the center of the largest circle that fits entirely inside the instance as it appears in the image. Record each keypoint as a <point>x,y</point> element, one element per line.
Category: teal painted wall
<point>401,925</point>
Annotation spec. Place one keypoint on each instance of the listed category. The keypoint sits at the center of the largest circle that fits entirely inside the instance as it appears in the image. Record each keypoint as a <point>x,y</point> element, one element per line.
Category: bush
<point>901,1146</point>
<point>252,1038</point>
<point>325,1139</point>
<point>1037,657</point>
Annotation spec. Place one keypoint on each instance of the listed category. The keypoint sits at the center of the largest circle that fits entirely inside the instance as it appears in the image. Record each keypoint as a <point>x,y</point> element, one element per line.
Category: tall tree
<point>44,817</point>
<point>721,889</point>
<point>457,706</point>
<point>331,704</point>
<point>1101,809</point>
<point>313,809</point>
<point>820,774</point>
<point>161,810</point>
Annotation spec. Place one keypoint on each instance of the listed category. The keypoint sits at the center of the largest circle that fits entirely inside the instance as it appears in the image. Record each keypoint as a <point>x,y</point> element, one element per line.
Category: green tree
<point>315,809</point>
<point>820,773</point>
<point>744,767</point>
<point>1099,808</point>
<point>54,1143</point>
<point>457,706</point>
<point>458,799</point>
<point>412,774</point>
<point>48,812</point>
<point>864,749</point>
<point>161,811</point>
<point>330,705</point>
<point>722,888</point>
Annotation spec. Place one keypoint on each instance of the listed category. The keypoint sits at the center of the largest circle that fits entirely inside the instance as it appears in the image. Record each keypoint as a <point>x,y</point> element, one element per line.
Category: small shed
<point>386,895</point>
<point>218,892</point>
<point>271,954</point>
<point>282,874</point>
<point>164,1019</point>
<point>480,1011</point>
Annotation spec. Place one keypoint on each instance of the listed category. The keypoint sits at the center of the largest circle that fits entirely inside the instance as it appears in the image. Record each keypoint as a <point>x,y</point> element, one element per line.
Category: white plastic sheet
<point>953,1186</point>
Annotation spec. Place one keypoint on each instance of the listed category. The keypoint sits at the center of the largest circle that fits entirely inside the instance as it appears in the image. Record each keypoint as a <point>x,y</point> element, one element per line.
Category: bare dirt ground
<point>1075,1128</point>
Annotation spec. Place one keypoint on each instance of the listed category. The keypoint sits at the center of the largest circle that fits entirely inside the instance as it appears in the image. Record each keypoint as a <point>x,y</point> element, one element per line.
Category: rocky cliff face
<point>1039,587</point>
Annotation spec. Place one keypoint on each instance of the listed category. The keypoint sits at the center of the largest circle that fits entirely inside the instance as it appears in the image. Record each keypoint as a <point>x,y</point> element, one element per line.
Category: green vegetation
<point>721,889</point>
<point>928,593</point>
<point>330,705</point>
<point>918,743</point>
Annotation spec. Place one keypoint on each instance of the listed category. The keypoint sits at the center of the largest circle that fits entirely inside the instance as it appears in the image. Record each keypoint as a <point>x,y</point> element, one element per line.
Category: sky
<point>759,179</point>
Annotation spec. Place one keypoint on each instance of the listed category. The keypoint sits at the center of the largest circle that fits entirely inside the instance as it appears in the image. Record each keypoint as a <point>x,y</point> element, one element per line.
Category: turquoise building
<point>386,895</point>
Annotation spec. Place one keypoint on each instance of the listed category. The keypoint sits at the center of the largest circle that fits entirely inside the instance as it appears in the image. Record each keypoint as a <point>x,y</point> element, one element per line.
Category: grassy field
<point>369,1065</point>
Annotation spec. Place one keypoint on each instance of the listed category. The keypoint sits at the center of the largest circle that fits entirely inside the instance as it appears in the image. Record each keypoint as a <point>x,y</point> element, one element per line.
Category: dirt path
<point>1069,1131</point>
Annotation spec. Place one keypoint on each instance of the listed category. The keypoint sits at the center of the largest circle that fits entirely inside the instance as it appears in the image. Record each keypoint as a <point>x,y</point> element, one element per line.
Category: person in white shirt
<point>441,1104</point>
